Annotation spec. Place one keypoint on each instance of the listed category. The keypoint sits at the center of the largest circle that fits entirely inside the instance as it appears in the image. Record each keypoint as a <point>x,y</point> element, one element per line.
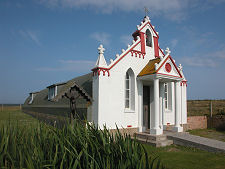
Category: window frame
<point>166,96</point>
<point>147,34</point>
<point>128,88</point>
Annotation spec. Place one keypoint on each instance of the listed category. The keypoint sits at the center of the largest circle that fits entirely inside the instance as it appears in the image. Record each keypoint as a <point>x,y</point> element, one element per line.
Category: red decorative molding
<point>169,57</point>
<point>123,55</point>
<point>151,27</point>
<point>129,125</point>
<point>98,70</point>
<point>137,53</point>
<point>184,82</point>
<point>168,67</point>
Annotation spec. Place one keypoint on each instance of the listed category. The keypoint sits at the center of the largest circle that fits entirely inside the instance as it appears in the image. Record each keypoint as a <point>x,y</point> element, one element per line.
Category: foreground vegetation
<point>26,143</point>
<point>42,146</point>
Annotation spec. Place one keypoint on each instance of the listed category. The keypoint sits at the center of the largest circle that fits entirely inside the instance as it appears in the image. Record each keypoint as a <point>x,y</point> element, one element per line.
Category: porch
<point>153,103</point>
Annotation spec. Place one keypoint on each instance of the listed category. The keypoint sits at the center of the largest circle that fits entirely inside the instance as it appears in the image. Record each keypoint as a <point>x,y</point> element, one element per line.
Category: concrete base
<point>156,131</point>
<point>178,129</point>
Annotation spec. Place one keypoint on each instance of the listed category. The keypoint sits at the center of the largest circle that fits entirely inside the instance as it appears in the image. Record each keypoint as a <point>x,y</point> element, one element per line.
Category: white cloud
<point>101,37</point>
<point>199,62</point>
<point>172,9</point>
<point>126,39</point>
<point>220,53</point>
<point>32,35</point>
<point>80,66</point>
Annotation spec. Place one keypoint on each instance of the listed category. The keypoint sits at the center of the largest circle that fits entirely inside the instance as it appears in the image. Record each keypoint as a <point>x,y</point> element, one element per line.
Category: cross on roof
<point>101,49</point>
<point>146,11</point>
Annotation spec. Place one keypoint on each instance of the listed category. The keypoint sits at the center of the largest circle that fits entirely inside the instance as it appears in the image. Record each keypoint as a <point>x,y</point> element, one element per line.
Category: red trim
<point>173,64</point>
<point>98,70</point>
<point>151,27</point>
<point>161,51</point>
<point>183,82</point>
<point>156,46</point>
<point>129,125</point>
<point>137,53</point>
<point>123,55</point>
<point>142,37</point>
<point>142,52</point>
<point>168,75</point>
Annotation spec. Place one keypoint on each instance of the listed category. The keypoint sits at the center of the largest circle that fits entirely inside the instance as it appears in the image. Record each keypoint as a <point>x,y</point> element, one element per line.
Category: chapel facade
<point>142,88</point>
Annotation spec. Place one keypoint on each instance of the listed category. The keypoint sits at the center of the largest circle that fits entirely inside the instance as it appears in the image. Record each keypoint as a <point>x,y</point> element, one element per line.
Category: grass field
<point>173,157</point>
<point>202,107</point>
<point>180,157</point>
<point>209,133</point>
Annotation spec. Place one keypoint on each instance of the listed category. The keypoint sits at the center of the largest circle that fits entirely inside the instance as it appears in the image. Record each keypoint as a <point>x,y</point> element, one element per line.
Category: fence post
<point>2,107</point>
<point>211,112</point>
<point>20,106</point>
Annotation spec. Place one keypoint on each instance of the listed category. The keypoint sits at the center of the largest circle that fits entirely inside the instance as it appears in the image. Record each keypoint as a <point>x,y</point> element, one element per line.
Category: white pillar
<point>140,106</point>
<point>161,104</point>
<point>156,130</point>
<point>177,126</point>
<point>184,108</point>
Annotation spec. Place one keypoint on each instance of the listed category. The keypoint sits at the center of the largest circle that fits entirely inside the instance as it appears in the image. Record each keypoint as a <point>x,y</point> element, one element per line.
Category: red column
<point>142,37</point>
<point>156,45</point>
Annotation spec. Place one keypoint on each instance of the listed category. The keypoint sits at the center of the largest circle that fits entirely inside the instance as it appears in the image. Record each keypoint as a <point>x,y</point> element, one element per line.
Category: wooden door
<point>146,107</point>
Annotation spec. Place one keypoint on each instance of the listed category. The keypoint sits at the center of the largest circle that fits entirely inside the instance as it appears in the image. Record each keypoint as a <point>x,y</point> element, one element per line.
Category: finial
<point>180,67</point>
<point>101,49</point>
<point>101,59</point>
<point>167,51</point>
<point>146,11</point>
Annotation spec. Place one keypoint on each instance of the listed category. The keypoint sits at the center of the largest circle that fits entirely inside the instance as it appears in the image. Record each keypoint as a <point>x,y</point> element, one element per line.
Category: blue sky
<point>48,41</point>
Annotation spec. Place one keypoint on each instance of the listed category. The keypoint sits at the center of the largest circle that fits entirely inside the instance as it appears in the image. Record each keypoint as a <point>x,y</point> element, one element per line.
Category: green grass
<point>15,116</point>
<point>180,157</point>
<point>209,133</point>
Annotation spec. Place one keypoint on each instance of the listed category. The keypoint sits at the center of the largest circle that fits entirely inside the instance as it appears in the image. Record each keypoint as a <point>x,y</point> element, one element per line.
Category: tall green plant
<point>73,146</point>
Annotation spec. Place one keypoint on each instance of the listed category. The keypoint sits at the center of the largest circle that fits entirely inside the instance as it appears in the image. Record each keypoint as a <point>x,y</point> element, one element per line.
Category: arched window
<point>148,38</point>
<point>129,90</point>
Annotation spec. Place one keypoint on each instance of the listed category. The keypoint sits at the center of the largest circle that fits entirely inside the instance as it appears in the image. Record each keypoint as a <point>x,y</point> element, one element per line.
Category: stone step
<point>147,136</point>
<point>161,143</point>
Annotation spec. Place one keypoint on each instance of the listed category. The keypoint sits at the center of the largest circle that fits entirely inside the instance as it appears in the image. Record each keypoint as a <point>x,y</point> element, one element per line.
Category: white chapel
<point>141,89</point>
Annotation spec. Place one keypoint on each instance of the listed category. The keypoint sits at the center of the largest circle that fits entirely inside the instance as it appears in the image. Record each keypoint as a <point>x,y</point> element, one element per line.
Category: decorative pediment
<point>165,67</point>
<point>169,68</point>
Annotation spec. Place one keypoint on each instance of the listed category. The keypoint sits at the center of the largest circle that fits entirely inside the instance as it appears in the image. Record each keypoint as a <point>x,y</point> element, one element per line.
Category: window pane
<point>127,84</point>
<point>127,94</point>
<point>127,104</point>
<point>127,76</point>
<point>166,104</point>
